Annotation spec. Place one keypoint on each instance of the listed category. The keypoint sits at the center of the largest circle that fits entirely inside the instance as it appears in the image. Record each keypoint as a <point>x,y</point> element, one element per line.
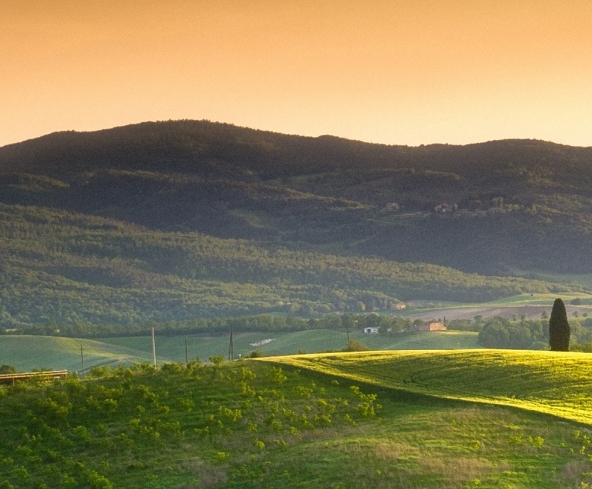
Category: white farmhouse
<point>371,330</point>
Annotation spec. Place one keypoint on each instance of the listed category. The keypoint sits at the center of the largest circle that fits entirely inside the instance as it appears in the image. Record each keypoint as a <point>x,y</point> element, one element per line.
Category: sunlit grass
<point>554,383</point>
<point>252,424</point>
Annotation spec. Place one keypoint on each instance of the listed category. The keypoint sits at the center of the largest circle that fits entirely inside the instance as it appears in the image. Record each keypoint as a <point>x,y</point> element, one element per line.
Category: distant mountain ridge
<point>495,208</point>
<point>533,196</point>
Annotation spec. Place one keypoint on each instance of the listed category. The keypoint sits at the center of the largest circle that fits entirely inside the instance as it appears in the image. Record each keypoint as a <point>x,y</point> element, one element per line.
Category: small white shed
<point>371,330</point>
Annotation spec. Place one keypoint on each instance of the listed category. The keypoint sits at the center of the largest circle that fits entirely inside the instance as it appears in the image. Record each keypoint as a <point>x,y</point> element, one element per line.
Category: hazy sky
<point>391,71</point>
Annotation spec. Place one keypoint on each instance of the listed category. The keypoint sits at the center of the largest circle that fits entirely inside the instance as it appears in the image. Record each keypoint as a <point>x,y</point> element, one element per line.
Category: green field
<point>555,383</point>
<point>541,299</point>
<point>26,353</point>
<point>35,352</point>
<point>405,420</point>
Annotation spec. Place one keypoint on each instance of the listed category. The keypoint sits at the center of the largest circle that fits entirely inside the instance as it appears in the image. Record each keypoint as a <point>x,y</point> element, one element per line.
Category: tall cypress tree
<point>559,327</point>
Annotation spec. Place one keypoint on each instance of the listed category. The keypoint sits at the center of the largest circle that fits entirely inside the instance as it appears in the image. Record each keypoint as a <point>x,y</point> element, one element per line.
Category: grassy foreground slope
<point>253,424</point>
<point>553,383</point>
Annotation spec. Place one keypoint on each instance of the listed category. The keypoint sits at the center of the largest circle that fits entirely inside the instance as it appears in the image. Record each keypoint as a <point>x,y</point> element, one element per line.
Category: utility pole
<point>82,361</point>
<point>186,354</point>
<point>153,349</point>
<point>231,346</point>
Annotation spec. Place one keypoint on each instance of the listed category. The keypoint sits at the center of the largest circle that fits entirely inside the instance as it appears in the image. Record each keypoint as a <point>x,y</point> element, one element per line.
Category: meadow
<point>48,352</point>
<point>337,420</point>
<point>555,383</point>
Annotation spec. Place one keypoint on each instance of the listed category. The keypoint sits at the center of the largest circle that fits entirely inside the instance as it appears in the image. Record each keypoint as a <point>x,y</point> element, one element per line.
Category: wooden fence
<point>51,374</point>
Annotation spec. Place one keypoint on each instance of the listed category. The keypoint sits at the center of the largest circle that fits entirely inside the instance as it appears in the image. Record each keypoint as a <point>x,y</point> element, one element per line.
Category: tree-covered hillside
<point>58,267</point>
<point>485,208</point>
<point>175,220</point>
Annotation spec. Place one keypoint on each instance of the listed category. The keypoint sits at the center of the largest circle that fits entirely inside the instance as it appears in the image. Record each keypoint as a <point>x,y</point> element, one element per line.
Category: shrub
<point>355,345</point>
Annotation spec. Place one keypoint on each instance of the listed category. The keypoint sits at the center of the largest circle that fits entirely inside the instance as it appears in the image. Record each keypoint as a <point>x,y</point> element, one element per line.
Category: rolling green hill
<point>179,220</point>
<point>27,353</point>
<point>546,382</point>
<point>372,420</point>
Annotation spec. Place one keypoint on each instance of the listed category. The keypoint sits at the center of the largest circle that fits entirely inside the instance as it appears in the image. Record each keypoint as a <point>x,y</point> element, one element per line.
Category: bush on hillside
<point>355,345</point>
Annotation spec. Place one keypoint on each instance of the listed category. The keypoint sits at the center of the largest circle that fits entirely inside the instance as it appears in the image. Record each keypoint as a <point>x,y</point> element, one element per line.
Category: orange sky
<point>391,71</point>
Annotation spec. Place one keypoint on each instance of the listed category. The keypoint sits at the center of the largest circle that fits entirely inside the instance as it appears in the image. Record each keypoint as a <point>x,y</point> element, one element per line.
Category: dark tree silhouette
<point>559,327</point>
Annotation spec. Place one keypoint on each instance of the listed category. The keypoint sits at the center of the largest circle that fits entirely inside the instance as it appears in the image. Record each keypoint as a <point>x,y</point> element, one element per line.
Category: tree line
<point>534,334</point>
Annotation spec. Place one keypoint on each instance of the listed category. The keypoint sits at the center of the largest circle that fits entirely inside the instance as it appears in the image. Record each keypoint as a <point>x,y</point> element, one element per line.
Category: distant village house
<point>444,208</point>
<point>371,330</point>
<point>429,326</point>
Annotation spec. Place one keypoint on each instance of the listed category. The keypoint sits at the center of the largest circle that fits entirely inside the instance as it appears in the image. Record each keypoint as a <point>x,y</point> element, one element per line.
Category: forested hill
<point>119,212</point>
<point>488,208</point>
